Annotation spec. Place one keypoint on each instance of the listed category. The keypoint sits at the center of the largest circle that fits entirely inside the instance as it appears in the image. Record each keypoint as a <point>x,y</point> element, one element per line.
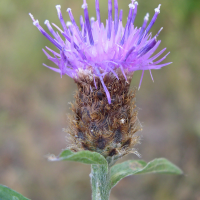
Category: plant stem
<point>100,180</point>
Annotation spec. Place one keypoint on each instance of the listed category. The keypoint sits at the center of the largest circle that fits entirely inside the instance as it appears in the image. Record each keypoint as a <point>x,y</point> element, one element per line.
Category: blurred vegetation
<point>34,103</point>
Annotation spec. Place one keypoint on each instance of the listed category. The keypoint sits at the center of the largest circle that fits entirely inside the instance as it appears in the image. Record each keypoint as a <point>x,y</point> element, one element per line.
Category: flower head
<point>101,60</point>
<point>96,50</point>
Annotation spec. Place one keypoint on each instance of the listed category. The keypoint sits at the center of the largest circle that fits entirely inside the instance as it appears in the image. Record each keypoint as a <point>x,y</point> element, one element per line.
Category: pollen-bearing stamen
<point>87,20</point>
<point>102,59</point>
<point>135,12</point>
<point>131,6</point>
<point>98,12</point>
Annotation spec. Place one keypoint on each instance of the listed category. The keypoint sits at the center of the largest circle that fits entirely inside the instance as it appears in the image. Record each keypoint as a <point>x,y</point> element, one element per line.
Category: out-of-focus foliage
<point>8,194</point>
<point>34,103</point>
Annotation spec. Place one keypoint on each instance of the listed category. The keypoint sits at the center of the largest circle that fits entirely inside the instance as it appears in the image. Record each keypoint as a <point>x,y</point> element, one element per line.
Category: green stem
<point>100,180</point>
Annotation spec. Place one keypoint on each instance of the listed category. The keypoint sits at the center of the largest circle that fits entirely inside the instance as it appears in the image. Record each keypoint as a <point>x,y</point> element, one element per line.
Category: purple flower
<point>96,50</point>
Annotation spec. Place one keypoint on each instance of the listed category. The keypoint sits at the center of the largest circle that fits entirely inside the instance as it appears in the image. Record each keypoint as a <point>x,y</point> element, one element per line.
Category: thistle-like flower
<point>101,60</point>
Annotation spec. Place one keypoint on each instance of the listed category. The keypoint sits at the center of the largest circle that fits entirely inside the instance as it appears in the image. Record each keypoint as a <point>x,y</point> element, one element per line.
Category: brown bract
<point>99,126</point>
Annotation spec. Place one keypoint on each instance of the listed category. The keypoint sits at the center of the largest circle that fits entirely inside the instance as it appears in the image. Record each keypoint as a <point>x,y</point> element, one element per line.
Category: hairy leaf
<point>131,167</point>
<point>86,157</point>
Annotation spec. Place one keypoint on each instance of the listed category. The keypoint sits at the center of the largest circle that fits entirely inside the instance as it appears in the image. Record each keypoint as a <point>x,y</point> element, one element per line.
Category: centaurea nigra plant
<point>101,60</point>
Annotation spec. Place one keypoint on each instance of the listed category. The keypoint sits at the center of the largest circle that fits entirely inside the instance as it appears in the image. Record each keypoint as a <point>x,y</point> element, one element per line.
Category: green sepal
<point>86,157</point>
<point>131,167</point>
<point>9,194</point>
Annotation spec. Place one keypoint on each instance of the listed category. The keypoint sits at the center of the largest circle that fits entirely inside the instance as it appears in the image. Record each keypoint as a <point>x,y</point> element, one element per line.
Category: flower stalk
<point>100,181</point>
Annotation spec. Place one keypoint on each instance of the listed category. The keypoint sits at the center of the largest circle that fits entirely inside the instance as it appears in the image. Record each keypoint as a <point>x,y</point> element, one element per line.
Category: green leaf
<point>8,194</point>
<point>127,168</point>
<point>162,166</point>
<point>86,157</point>
<point>131,167</point>
<point>65,153</point>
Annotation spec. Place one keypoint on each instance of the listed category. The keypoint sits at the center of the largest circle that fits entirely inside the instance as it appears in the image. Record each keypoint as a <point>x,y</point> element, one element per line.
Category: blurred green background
<point>34,103</point>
